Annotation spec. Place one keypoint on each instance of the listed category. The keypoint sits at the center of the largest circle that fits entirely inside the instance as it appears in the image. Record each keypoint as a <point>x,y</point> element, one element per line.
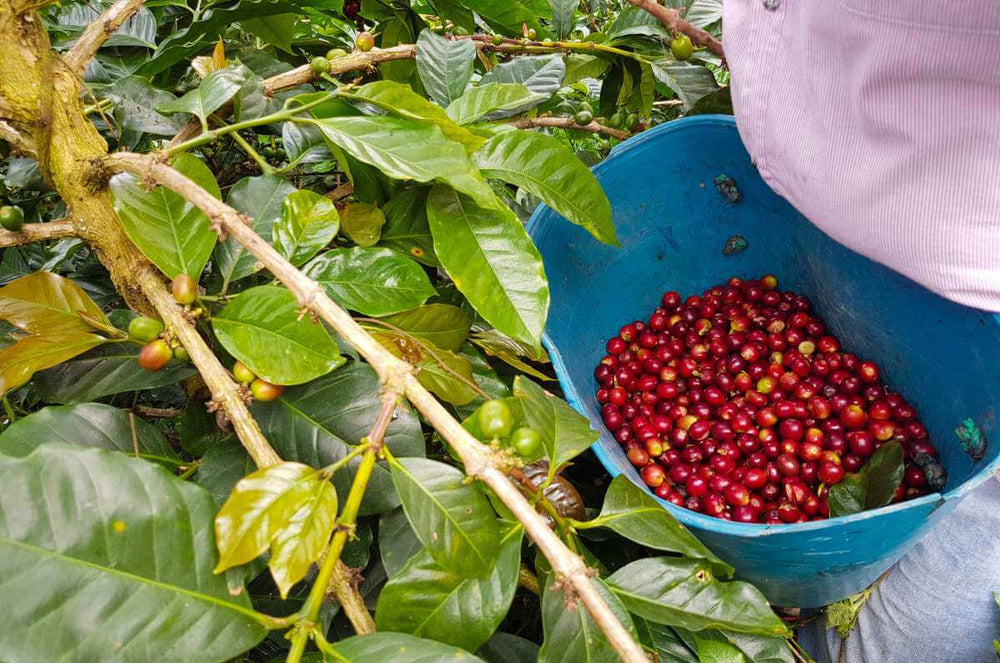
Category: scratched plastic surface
<point>673,225</point>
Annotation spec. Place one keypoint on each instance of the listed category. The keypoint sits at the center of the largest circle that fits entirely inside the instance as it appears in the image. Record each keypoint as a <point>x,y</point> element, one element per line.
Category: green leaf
<point>19,362</point>
<point>372,281</point>
<point>169,230</point>
<point>211,94</point>
<point>873,486</point>
<point>571,635</point>
<point>563,12</point>
<point>545,167</point>
<point>407,150</point>
<point>221,467</point>
<point>321,422</point>
<point>683,592</point>
<point>136,101</point>
<point>493,98</point>
<point>114,556</point>
<point>277,30</point>
<point>363,223</point>
<point>703,13</point>
<point>581,65</point>
<point>448,375</point>
<point>664,641</point>
<point>492,261</point>
<point>112,368</point>
<point>397,542</point>
<point>406,229</point>
<point>87,425</point>
<point>636,22</point>
<point>308,223</point>
<point>508,648</point>
<point>263,329</point>
<point>690,81</point>
<point>633,513</point>
<point>303,537</point>
<point>565,432</point>
<point>430,601</point>
<point>402,101</point>
<point>756,648</point>
<point>445,65</point>
<point>46,303</point>
<point>260,198</point>
<point>275,507</point>
<point>453,519</point>
<point>399,30</point>
<point>507,17</point>
<point>443,325</point>
<point>392,647</point>
<point>542,74</point>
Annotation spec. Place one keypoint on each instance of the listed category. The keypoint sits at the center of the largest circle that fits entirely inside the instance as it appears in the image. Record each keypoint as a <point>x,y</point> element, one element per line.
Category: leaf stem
<point>372,445</point>
<point>332,468</point>
<point>265,167</point>
<point>11,415</point>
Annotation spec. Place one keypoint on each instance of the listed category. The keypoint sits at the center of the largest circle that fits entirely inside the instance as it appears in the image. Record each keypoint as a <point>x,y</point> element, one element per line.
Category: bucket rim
<point>692,518</point>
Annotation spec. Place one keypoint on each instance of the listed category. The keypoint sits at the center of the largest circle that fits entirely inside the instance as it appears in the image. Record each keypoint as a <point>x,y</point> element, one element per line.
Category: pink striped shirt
<point>880,121</point>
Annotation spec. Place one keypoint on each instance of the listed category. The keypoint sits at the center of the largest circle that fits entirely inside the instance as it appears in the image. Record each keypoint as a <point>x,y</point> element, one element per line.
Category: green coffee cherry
<point>525,441</point>
<point>495,419</point>
<point>144,329</point>
<point>583,117</point>
<point>320,65</point>
<point>11,217</point>
<point>681,47</point>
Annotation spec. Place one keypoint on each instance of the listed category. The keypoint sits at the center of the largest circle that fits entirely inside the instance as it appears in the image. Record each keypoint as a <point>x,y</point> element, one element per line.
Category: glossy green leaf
<point>633,513</point>
<point>277,30</point>
<point>392,647</point>
<point>406,229</point>
<point>169,230</point>
<point>308,223</point>
<point>703,13</point>
<point>492,261</point>
<point>321,422</point>
<point>443,325</point>
<point>397,542</point>
<point>87,425</point>
<point>46,303</point>
<point>304,537</point>
<point>445,65</point>
<point>755,648</point>
<point>136,101</point>
<point>663,640</point>
<point>221,467</point>
<point>260,509</point>
<point>428,600</point>
<point>545,167</point>
<point>114,556</point>
<point>508,648</point>
<point>542,74</point>
<point>636,22</point>
<point>507,17</point>
<point>489,98</point>
<point>683,592</point>
<point>448,375</point>
<point>508,350</point>
<point>372,281</point>
<point>689,81</point>
<point>19,362</point>
<point>581,65</point>
<point>563,12</point>
<point>112,368</point>
<point>873,486</point>
<point>453,519</point>
<point>408,150</point>
<point>260,198</point>
<point>401,100</point>
<point>263,329</point>
<point>565,432</point>
<point>363,223</point>
<point>212,93</point>
<point>571,635</point>
<point>395,31</point>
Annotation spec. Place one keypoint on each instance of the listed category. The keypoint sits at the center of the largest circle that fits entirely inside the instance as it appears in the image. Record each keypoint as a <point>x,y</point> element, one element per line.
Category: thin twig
<point>397,377</point>
<point>158,412</point>
<point>672,19</point>
<point>38,232</point>
<point>568,123</point>
<point>225,392</point>
<point>86,47</point>
<point>309,613</point>
<point>135,437</point>
<point>341,192</point>
<point>23,144</point>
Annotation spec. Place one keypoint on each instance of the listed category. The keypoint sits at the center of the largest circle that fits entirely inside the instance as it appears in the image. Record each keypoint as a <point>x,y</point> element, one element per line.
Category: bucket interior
<point>673,224</point>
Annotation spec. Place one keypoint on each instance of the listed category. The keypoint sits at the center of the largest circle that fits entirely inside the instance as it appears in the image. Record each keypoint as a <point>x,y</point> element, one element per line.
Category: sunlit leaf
<point>489,98</point>
<point>445,65</point>
<point>363,223</point>
<point>215,89</point>
<point>260,198</point>
<point>19,362</point>
<point>308,223</point>
<point>46,303</point>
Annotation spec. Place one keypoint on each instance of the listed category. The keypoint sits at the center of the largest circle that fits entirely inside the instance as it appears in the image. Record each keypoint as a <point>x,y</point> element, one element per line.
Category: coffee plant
<point>270,335</point>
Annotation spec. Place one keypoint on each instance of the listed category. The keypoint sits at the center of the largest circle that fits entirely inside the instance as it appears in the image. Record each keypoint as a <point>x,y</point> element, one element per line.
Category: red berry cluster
<point>739,404</point>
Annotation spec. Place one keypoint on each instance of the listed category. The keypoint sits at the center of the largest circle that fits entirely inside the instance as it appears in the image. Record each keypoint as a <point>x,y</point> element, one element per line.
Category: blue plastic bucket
<point>673,225</point>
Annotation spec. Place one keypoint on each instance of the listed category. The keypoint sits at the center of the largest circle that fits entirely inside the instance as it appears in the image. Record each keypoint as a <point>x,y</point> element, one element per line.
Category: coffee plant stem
<point>480,461</point>
<point>672,19</point>
<point>86,47</point>
<point>345,525</point>
<point>37,232</point>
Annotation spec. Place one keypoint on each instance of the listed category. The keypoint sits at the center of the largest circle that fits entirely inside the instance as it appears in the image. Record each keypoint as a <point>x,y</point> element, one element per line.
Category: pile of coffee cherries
<point>739,404</point>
